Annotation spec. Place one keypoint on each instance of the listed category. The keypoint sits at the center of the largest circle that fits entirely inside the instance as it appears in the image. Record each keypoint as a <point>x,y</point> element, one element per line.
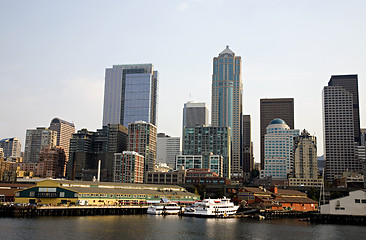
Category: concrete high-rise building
<point>271,108</point>
<point>64,130</point>
<point>278,154</point>
<point>340,142</point>
<point>227,93</point>
<point>35,140</point>
<point>195,113</point>
<point>363,137</point>
<point>128,167</point>
<point>142,139</point>
<point>350,84</point>
<point>208,141</point>
<point>130,94</point>
<point>247,152</point>
<point>167,148</point>
<point>87,148</point>
<point>305,156</point>
<point>11,147</point>
<point>52,162</point>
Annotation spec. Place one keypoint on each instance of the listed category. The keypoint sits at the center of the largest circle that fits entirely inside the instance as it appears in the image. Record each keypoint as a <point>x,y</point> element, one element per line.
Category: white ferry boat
<point>164,208</point>
<point>221,207</point>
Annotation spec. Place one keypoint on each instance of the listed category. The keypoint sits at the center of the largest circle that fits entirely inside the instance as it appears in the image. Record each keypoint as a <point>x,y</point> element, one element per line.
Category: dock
<point>37,211</point>
<point>337,219</point>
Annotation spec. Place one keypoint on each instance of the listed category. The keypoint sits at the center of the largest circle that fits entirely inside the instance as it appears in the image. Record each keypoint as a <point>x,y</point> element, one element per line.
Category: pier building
<point>65,192</point>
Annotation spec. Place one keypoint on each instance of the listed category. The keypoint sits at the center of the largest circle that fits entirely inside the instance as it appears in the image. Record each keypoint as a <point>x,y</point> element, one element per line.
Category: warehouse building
<point>64,192</point>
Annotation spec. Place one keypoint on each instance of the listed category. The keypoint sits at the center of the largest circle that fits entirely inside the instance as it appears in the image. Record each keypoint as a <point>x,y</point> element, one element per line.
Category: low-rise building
<point>57,192</point>
<point>277,199</point>
<point>305,182</point>
<point>204,176</point>
<point>354,204</point>
<point>171,177</point>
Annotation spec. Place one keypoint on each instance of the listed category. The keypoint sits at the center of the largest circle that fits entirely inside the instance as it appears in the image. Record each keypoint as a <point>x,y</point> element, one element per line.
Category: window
<point>357,200</point>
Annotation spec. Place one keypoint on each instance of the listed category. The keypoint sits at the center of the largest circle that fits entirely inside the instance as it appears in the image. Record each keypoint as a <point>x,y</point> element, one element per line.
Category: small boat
<point>221,207</point>
<point>164,208</point>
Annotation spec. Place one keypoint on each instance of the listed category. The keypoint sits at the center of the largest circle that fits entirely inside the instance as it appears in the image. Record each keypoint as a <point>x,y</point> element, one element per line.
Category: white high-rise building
<point>166,149</point>
<point>278,149</point>
<point>130,94</point>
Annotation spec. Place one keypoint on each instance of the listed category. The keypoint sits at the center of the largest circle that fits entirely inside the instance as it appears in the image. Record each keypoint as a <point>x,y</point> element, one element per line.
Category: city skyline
<point>62,58</point>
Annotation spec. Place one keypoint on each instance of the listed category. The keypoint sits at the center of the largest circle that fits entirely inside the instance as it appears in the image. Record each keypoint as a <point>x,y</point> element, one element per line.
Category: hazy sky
<point>53,56</point>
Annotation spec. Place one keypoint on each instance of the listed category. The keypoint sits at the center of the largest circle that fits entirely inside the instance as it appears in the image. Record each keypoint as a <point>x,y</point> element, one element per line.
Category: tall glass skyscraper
<point>227,92</point>
<point>130,94</point>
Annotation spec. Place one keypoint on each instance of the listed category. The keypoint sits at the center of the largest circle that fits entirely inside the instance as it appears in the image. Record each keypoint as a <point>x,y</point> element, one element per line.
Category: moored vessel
<point>164,208</point>
<point>221,207</point>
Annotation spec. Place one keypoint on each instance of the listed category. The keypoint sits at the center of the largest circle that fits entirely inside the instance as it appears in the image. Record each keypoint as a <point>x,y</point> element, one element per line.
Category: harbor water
<point>170,227</point>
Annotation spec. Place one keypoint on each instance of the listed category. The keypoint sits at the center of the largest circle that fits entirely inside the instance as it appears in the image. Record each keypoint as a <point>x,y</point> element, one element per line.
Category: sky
<point>53,56</point>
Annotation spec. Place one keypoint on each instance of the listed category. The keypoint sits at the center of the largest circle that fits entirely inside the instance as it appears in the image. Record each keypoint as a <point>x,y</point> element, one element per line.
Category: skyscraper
<point>11,147</point>
<point>64,130</point>
<point>142,139</point>
<point>208,141</point>
<point>87,148</point>
<point>167,148</point>
<point>279,142</point>
<point>130,94</point>
<point>35,140</point>
<point>350,83</point>
<point>227,91</point>
<point>271,108</point>
<point>195,113</point>
<point>305,158</point>
<point>340,140</point>
<point>247,152</point>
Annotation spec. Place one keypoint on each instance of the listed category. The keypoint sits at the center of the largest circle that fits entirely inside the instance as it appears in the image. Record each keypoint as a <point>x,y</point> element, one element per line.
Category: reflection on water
<point>170,227</point>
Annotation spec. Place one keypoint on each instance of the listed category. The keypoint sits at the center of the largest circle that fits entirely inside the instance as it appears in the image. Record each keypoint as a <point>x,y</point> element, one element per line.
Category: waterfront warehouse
<point>65,192</point>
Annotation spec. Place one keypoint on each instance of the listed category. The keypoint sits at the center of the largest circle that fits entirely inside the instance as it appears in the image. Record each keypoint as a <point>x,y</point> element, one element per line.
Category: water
<point>170,227</point>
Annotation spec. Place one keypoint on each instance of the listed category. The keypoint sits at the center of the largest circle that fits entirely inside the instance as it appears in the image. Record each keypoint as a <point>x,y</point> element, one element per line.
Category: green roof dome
<point>277,121</point>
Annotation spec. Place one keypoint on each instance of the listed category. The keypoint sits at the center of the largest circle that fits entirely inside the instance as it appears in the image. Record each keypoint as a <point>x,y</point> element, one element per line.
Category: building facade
<point>227,94</point>
<point>350,84</point>
<point>64,130</point>
<point>130,94</point>
<point>128,167</point>
<point>339,133</point>
<point>212,162</point>
<point>35,140</point>
<point>305,156</point>
<point>279,142</point>
<point>52,162</point>
<point>11,147</point>
<point>271,108</point>
<point>167,148</point>
<point>87,148</point>
<point>57,192</point>
<point>195,113</point>
<point>207,141</point>
<point>142,139</point>
<point>247,151</point>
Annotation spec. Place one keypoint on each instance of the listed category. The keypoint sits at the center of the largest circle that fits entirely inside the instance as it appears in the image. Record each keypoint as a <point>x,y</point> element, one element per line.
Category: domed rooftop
<point>277,121</point>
